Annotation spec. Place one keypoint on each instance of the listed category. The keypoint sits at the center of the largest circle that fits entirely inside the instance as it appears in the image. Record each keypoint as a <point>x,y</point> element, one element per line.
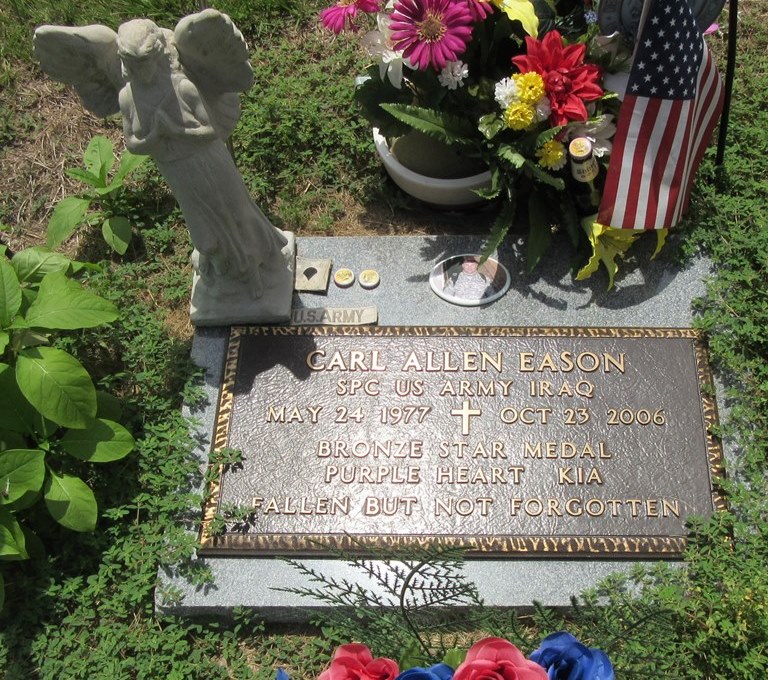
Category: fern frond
<point>541,175</point>
<point>500,228</point>
<point>444,126</point>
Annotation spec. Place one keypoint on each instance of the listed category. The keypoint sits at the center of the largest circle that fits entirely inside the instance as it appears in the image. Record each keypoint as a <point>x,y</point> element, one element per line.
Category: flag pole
<point>730,68</point>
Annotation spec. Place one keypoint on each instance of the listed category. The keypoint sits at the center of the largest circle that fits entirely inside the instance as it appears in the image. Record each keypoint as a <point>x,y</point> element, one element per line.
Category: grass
<point>85,610</point>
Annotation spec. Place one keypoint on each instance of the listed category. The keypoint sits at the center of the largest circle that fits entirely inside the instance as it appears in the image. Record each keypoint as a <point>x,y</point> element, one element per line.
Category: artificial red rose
<point>569,82</point>
<point>497,659</point>
<point>355,662</point>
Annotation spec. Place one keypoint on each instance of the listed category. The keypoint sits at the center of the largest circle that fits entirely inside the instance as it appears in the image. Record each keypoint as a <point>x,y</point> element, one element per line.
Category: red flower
<point>568,80</point>
<point>355,662</point>
<point>431,31</point>
<point>497,659</point>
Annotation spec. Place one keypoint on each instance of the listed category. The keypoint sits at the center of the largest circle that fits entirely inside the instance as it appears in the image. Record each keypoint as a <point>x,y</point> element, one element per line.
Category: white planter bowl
<point>444,193</point>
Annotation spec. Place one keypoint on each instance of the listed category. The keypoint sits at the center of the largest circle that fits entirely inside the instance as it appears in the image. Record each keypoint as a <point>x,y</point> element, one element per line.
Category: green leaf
<point>70,502</point>
<point>455,657</point>
<point>101,442</point>
<point>500,228</point>
<point>4,340</point>
<point>543,176</point>
<point>108,406</point>
<point>57,385</point>
<point>10,293</point>
<point>2,592</point>
<point>548,135</point>
<point>68,213</point>
<point>494,190</point>
<point>490,125</point>
<point>98,158</point>
<point>12,440</point>
<point>63,303</point>
<point>128,163</point>
<point>84,176</point>
<point>412,657</point>
<point>33,544</point>
<point>22,472</point>
<point>569,219</point>
<point>32,264</point>
<point>509,154</point>
<point>117,233</point>
<point>12,543</point>
<point>16,413</point>
<point>540,230</point>
<point>25,337</point>
<point>449,128</point>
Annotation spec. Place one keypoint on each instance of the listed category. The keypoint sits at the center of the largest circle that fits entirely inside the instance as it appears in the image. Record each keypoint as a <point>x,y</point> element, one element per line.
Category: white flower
<point>598,130</point>
<point>543,109</point>
<point>453,74</point>
<point>378,44</point>
<point>505,92</point>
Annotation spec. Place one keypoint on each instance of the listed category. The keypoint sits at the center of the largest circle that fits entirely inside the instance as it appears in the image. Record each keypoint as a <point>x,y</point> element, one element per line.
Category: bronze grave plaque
<point>507,441</point>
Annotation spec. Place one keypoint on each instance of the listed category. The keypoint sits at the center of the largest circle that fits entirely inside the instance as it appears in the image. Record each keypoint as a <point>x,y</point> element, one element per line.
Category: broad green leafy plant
<point>98,159</point>
<point>50,409</point>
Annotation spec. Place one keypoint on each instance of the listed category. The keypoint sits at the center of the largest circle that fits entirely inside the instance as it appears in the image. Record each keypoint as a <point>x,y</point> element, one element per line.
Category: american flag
<point>673,101</point>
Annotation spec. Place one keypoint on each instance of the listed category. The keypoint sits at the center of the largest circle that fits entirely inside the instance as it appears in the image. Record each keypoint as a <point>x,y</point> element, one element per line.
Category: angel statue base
<point>177,92</point>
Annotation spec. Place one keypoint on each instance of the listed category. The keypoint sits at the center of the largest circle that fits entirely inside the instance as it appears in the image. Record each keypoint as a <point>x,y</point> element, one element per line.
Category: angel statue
<point>177,92</point>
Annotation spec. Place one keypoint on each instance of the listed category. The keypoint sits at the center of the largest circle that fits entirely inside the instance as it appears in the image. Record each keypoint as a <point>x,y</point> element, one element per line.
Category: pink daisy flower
<point>431,31</point>
<point>479,9</point>
<point>341,15</point>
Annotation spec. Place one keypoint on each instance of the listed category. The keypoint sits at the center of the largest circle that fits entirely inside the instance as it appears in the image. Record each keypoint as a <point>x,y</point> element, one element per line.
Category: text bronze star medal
<point>505,441</point>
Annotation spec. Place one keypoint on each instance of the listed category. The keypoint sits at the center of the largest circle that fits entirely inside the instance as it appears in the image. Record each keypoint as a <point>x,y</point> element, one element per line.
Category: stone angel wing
<point>85,57</point>
<point>213,54</point>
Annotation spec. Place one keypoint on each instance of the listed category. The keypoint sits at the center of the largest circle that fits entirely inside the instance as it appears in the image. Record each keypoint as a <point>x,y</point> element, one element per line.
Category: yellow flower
<point>522,11</point>
<point>530,87</point>
<point>519,116</point>
<point>607,244</point>
<point>551,155</point>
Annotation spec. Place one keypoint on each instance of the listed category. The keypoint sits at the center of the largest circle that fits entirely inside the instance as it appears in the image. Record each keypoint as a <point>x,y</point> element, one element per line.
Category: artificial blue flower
<point>439,671</point>
<point>565,658</point>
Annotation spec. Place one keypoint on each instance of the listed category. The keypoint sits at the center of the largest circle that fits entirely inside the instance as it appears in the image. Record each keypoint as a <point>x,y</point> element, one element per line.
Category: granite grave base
<point>652,293</point>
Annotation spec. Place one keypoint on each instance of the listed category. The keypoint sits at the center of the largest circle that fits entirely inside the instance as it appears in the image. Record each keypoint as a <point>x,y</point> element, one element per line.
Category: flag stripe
<point>659,151</point>
<point>675,140</point>
<point>712,107</point>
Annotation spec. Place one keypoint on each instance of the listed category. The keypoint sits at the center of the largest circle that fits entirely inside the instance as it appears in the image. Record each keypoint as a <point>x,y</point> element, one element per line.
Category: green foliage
<point>48,402</point>
<point>444,126</point>
<point>301,145</point>
<point>406,610</point>
<point>106,193</point>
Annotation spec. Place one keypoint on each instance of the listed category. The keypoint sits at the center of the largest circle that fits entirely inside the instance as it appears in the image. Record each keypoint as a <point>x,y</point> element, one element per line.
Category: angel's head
<point>142,48</point>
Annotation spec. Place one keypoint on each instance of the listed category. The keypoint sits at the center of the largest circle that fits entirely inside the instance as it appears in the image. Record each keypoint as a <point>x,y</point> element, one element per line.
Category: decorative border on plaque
<point>659,547</point>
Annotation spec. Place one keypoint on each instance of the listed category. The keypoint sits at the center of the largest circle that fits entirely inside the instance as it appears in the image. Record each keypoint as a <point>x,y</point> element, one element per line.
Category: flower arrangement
<point>509,82</point>
<point>559,657</point>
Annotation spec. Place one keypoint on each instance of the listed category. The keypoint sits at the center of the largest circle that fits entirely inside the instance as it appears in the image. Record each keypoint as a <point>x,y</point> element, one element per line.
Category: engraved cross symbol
<point>465,412</point>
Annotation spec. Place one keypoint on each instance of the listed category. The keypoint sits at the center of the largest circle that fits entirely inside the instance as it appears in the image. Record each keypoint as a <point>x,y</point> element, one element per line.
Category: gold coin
<point>344,278</point>
<point>369,278</point>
